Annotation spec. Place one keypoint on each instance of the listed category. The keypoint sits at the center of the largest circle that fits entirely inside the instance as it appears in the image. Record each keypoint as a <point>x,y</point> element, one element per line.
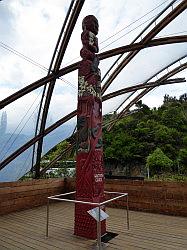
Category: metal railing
<point>97,204</point>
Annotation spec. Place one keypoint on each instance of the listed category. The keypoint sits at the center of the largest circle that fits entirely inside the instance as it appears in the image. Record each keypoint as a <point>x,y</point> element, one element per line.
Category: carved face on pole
<point>90,23</point>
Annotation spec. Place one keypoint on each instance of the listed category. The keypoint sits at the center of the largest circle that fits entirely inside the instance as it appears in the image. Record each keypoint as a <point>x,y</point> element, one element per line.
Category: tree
<point>148,132</point>
<point>57,150</point>
<point>183,98</point>
<point>158,162</point>
<point>185,140</point>
<point>174,117</point>
<point>182,159</point>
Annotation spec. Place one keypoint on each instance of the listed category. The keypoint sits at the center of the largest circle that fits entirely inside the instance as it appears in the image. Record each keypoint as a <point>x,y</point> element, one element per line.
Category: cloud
<point>156,99</point>
<point>7,20</point>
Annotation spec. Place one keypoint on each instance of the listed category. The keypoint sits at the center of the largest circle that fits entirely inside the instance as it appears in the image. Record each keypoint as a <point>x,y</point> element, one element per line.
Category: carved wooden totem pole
<point>89,166</point>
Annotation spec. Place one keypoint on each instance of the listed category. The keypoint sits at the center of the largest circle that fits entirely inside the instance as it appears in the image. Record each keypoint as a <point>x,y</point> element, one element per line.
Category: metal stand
<point>99,245</point>
<point>47,224</point>
<point>127,212</point>
<point>99,229</point>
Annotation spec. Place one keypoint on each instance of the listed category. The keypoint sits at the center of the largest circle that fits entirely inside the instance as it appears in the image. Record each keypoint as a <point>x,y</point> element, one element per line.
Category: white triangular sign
<point>95,214</point>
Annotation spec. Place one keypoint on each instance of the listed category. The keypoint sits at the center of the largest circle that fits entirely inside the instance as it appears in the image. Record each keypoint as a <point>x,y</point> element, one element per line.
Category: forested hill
<point>156,138</point>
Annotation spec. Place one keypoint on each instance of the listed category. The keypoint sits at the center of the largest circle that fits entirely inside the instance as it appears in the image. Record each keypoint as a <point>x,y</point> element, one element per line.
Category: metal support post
<point>99,229</point>
<point>127,212</point>
<point>99,244</point>
<point>47,224</point>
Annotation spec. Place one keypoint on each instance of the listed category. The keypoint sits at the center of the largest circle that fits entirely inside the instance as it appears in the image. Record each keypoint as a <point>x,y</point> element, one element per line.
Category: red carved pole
<point>89,166</point>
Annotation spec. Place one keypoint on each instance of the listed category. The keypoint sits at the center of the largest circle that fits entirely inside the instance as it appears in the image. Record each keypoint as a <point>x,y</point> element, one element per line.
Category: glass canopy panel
<point>147,63</point>
<point>112,104</point>
<point>155,98</point>
<point>17,127</point>
<point>22,164</point>
<point>176,27</point>
<point>119,23</point>
<point>64,98</point>
<point>17,168</point>
<point>61,133</point>
<point>18,120</point>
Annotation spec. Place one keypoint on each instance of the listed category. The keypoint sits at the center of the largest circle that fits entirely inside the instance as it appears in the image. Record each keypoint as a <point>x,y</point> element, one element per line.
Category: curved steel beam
<point>73,19</point>
<point>55,53</point>
<point>102,56</point>
<point>106,97</point>
<point>141,86</point>
<point>162,24</point>
<point>140,45</point>
<point>35,139</point>
<point>58,157</point>
<point>139,35</point>
<point>65,119</point>
<point>163,78</point>
<point>157,73</point>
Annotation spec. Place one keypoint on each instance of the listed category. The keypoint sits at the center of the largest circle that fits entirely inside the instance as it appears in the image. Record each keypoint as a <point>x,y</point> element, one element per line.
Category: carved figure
<point>89,166</point>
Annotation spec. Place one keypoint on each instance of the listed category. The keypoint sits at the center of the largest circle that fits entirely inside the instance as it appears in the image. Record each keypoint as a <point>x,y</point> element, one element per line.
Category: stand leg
<point>127,212</point>
<point>99,229</point>
<point>47,223</point>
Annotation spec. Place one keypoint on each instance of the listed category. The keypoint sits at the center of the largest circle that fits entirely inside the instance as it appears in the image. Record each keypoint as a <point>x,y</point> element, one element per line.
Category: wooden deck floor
<point>26,230</point>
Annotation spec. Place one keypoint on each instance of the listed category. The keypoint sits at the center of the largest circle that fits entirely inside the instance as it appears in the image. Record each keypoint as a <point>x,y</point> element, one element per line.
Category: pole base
<point>86,226</point>
<point>103,246</point>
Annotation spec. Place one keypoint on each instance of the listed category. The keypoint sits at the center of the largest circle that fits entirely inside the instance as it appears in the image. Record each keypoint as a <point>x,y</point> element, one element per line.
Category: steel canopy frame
<point>178,60</point>
<point>65,119</point>
<point>106,97</point>
<point>162,24</point>
<point>143,44</point>
<point>146,42</point>
<point>55,54</point>
<point>157,73</point>
<point>141,86</point>
<point>144,92</point>
<point>67,35</point>
<point>139,35</point>
<point>110,53</point>
<point>70,26</point>
<point>174,13</point>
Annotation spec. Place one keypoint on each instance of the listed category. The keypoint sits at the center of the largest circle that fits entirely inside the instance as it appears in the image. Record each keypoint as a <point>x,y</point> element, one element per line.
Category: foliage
<point>57,150</point>
<point>182,158</point>
<point>60,172</point>
<point>137,136</point>
<point>158,162</point>
<point>168,177</point>
<point>150,137</point>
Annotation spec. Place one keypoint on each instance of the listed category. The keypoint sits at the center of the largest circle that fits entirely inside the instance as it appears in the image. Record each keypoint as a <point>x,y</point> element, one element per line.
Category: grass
<point>168,177</point>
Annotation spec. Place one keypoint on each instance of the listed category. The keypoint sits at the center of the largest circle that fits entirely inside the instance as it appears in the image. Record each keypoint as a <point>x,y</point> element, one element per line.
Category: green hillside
<point>151,138</point>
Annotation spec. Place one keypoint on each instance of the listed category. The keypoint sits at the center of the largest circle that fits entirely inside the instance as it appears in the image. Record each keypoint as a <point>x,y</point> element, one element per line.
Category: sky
<point>31,27</point>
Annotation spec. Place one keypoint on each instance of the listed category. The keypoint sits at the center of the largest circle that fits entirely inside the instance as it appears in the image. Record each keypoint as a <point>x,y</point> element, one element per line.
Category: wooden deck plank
<point>38,237</point>
<point>26,230</point>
